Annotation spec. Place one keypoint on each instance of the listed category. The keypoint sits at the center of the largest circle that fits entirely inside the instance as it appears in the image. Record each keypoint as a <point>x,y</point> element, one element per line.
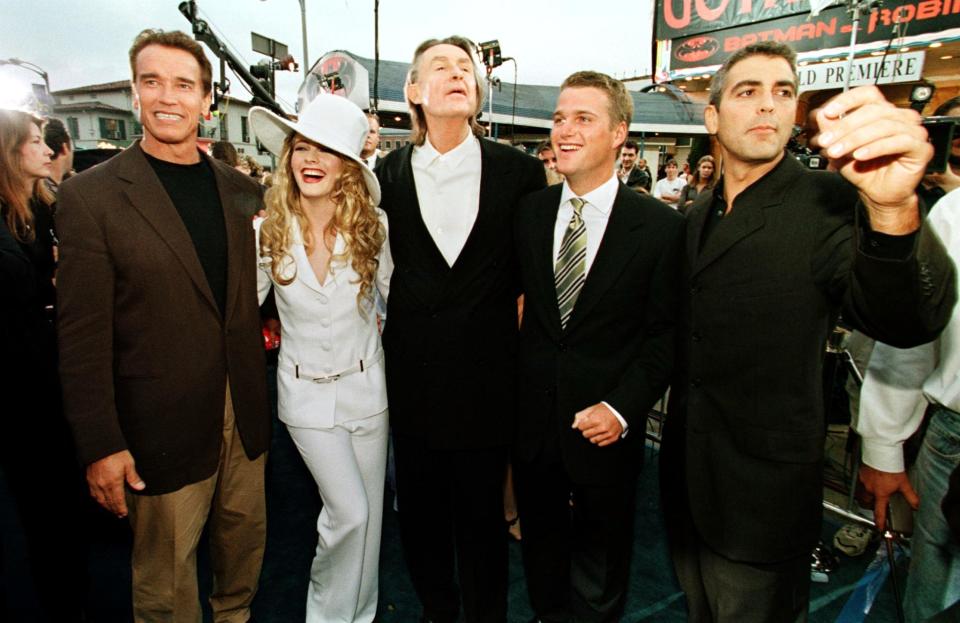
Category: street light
<point>16,62</point>
<point>303,26</point>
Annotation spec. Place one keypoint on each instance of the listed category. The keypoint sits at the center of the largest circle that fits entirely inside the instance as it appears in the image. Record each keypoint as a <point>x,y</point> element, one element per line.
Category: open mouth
<point>569,148</point>
<point>312,176</point>
<point>166,116</point>
<point>458,90</point>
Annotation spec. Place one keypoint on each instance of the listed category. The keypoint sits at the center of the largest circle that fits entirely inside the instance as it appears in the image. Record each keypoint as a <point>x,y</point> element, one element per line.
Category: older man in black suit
<point>774,254</point>
<point>451,338</point>
<point>600,266</point>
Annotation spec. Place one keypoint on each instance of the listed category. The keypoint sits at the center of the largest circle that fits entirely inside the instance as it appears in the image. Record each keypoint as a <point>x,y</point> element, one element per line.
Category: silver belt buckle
<point>326,379</point>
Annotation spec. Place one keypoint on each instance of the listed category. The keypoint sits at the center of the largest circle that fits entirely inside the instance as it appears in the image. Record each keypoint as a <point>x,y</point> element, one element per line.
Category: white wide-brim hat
<point>329,120</point>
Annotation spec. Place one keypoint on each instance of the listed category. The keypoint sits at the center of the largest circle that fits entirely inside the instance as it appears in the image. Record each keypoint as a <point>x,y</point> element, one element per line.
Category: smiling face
<point>446,85</point>
<point>671,171</point>
<point>548,158</point>
<point>170,97</point>
<point>628,156</point>
<point>755,116</point>
<point>315,169</point>
<point>584,138</point>
<point>35,157</point>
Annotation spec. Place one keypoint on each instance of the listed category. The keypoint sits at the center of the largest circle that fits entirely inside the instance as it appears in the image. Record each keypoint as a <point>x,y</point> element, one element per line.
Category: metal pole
<point>855,10</point>
<point>303,26</point>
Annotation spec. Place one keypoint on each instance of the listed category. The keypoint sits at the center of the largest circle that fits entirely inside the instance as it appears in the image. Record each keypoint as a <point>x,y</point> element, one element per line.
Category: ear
<point>413,93</point>
<point>620,136</point>
<point>136,98</point>
<point>711,119</point>
<point>205,107</point>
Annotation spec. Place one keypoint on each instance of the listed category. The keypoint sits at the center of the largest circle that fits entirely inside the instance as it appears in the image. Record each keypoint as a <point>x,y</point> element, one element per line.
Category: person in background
<point>323,250</point>
<point>37,452</point>
<point>548,157</point>
<point>371,144</point>
<point>668,188</point>
<point>631,173</point>
<point>225,152</point>
<point>704,179</point>
<point>57,138</point>
<point>936,185</point>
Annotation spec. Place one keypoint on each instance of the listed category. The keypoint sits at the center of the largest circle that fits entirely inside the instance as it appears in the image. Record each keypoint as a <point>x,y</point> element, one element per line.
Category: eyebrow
<point>446,59</point>
<point>574,113</point>
<point>756,83</point>
<point>149,75</point>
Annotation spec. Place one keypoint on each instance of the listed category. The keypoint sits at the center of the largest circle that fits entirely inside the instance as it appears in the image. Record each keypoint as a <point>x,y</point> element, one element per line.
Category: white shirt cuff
<point>620,419</point>
<point>882,456</point>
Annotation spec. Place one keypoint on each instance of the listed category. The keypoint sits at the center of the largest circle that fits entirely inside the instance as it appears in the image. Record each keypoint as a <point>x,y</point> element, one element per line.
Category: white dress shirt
<point>448,189</point>
<point>901,382</point>
<point>323,333</point>
<point>595,213</point>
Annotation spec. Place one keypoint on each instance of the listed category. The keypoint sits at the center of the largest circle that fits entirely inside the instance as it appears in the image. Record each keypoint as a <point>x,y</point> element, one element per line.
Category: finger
<point>842,142</point>
<point>880,511</point>
<point>595,430</point>
<point>578,419</point>
<point>841,104</point>
<point>910,494</point>
<point>133,479</point>
<point>609,440</point>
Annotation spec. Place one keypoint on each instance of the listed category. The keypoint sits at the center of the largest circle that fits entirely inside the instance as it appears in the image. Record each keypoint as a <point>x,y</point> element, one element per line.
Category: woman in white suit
<point>323,248</point>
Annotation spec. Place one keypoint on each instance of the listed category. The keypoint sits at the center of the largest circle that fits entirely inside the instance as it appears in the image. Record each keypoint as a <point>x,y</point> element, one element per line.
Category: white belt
<point>299,372</point>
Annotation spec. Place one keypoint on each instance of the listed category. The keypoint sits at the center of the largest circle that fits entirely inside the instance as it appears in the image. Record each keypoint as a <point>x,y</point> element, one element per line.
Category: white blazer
<point>324,334</point>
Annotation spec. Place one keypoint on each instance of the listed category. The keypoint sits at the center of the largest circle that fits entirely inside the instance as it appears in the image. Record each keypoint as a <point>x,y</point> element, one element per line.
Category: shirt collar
<point>601,197</point>
<point>427,154</point>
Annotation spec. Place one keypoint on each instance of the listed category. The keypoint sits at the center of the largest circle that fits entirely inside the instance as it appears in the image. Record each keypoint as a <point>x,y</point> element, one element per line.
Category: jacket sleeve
<point>85,303</point>
<point>646,378</point>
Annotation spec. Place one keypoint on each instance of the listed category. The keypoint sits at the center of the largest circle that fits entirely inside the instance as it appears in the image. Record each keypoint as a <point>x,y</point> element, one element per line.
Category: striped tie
<point>571,268</point>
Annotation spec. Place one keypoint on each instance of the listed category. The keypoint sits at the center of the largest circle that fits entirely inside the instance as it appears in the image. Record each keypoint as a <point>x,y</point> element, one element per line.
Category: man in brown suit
<point>161,355</point>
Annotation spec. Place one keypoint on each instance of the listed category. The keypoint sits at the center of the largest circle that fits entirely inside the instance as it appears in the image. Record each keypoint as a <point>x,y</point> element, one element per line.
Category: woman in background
<point>36,447</point>
<point>704,178</point>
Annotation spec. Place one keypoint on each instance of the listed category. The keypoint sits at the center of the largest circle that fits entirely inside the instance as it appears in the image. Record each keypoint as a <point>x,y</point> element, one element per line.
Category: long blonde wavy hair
<point>355,218</point>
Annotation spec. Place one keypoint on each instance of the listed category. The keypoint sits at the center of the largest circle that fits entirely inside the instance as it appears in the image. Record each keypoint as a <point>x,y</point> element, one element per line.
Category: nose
<point>766,102</point>
<point>166,94</point>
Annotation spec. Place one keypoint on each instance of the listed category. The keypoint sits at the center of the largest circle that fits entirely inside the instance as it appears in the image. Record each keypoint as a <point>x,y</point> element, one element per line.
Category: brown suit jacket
<point>144,352</point>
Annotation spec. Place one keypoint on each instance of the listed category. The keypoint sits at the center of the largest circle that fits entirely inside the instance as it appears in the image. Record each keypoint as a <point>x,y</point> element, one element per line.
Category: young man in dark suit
<point>161,357</point>
<point>451,335</point>
<point>600,266</point>
<point>774,254</point>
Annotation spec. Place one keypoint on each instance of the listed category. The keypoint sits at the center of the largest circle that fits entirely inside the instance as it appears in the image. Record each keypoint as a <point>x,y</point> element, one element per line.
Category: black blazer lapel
<point>541,250</point>
<point>621,241</point>
<point>410,204</point>
<point>147,195</point>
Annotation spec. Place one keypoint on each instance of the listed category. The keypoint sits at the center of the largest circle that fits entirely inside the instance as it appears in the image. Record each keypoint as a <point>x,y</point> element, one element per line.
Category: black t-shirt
<point>193,190</point>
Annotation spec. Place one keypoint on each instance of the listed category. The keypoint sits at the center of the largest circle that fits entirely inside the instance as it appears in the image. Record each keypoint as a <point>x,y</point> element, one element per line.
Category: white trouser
<point>348,462</point>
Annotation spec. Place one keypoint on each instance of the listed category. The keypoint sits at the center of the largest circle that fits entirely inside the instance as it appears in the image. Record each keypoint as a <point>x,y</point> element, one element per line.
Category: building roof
<point>89,106</point>
<point>118,85</point>
<point>652,112</point>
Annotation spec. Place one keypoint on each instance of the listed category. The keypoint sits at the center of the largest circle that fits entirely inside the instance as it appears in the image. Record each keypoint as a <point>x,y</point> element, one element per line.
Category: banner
<point>804,33</point>
<point>907,67</point>
<point>677,18</point>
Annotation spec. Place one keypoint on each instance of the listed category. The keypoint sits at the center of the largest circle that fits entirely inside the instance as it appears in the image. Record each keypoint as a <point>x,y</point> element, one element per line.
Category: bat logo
<point>697,49</point>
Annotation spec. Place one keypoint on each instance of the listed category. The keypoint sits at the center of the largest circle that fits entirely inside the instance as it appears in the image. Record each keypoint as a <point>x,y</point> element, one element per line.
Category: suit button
<point>325,345</point>
<point>695,383</point>
<point>694,290</point>
<point>324,322</point>
<point>563,347</point>
<point>697,336</point>
<point>322,298</point>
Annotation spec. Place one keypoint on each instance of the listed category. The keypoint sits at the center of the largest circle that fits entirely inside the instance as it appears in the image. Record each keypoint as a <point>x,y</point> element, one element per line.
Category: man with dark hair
<point>597,345</point>
<point>630,173</point>
<point>161,356</point>
<point>225,152</point>
<point>451,339</point>
<point>546,155</point>
<point>57,138</point>
<point>774,253</point>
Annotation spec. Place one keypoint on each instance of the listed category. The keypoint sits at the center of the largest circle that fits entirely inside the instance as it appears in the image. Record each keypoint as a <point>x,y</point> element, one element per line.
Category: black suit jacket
<point>763,294</point>
<point>144,351</point>
<point>618,345</point>
<point>451,334</point>
<point>638,178</point>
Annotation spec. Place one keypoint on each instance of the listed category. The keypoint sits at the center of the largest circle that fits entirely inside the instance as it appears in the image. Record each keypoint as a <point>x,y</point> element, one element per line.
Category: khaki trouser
<point>167,528</point>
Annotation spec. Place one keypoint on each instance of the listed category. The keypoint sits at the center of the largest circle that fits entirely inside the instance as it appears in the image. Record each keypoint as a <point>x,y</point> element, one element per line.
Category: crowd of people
<point>396,280</point>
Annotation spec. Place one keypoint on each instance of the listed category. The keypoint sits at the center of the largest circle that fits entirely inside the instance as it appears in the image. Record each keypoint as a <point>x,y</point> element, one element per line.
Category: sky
<point>82,42</point>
